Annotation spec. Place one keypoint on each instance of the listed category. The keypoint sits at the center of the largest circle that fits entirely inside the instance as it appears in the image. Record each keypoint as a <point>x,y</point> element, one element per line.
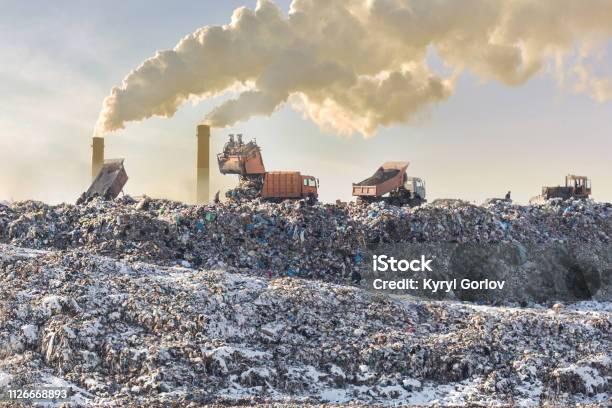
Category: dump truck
<point>390,183</point>
<point>279,185</point>
<point>109,182</point>
<point>245,160</point>
<point>578,187</point>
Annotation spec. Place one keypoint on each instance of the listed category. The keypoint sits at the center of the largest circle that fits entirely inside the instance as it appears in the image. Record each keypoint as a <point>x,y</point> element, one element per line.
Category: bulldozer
<point>576,187</point>
<point>390,183</point>
<point>245,160</point>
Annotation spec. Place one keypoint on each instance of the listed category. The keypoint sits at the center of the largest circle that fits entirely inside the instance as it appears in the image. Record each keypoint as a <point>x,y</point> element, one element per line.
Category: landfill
<point>148,302</point>
<point>249,188</point>
<point>290,238</point>
<point>129,333</point>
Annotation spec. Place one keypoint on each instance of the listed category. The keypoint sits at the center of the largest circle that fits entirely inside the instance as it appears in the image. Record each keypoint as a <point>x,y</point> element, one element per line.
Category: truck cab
<point>416,186</point>
<point>310,186</point>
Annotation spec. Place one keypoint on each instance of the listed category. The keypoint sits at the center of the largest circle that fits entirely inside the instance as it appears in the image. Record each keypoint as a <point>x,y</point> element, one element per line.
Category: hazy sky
<point>60,59</point>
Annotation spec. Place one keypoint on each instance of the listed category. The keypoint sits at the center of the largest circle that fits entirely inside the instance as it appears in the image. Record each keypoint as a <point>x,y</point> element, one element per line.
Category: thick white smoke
<point>354,65</point>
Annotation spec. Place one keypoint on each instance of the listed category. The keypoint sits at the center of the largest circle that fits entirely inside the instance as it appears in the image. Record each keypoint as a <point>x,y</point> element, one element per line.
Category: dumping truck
<point>390,183</point>
<point>109,182</point>
<point>575,187</point>
<point>245,160</point>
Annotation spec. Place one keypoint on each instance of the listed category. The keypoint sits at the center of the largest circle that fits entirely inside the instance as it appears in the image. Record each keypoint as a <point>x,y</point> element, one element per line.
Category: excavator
<point>245,160</point>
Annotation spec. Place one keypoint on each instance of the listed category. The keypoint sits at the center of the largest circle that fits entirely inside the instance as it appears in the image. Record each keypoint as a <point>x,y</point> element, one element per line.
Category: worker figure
<point>508,196</point>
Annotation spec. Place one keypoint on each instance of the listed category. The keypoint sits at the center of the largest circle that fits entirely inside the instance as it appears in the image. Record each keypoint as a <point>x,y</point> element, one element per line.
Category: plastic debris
<point>323,241</point>
<point>122,333</point>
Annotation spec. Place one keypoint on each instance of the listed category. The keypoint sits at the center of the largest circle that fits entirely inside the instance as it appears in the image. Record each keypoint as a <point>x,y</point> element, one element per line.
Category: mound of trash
<point>127,333</point>
<point>323,241</point>
<point>248,189</point>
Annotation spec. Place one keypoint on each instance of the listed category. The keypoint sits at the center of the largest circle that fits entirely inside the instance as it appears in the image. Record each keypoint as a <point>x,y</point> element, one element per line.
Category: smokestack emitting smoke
<point>97,156</point>
<point>203,169</point>
<point>354,65</point>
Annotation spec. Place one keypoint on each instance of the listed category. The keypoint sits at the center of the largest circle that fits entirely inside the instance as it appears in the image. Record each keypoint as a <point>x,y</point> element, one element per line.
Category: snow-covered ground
<point>134,334</point>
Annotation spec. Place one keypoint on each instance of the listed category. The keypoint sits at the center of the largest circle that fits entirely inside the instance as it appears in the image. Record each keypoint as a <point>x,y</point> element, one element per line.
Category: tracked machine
<point>576,187</point>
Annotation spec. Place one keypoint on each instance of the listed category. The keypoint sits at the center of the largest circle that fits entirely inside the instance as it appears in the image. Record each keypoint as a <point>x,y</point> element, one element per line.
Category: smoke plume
<point>354,65</point>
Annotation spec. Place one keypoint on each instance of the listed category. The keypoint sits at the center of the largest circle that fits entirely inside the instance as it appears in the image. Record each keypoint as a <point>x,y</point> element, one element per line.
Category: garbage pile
<point>323,241</point>
<point>249,188</point>
<point>496,222</point>
<point>122,333</point>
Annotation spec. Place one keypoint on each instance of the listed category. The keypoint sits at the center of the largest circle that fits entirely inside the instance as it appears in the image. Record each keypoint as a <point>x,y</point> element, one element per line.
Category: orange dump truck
<point>289,184</point>
<point>391,183</point>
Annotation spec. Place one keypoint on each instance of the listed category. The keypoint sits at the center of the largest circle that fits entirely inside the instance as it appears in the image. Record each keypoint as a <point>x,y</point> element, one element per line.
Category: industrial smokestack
<point>97,156</point>
<point>203,170</point>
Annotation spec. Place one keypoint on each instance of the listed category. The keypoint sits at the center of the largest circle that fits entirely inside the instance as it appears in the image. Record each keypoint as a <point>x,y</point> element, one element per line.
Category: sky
<point>60,59</point>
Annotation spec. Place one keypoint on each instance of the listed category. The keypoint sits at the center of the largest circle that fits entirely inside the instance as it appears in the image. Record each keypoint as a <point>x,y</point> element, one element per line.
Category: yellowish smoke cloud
<point>354,65</point>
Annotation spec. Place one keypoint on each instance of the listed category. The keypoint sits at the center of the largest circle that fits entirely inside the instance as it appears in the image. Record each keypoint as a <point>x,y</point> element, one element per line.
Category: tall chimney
<point>97,156</point>
<point>203,175</point>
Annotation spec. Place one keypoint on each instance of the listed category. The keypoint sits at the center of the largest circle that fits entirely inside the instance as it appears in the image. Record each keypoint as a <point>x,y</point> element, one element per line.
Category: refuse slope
<point>324,241</point>
<point>133,333</point>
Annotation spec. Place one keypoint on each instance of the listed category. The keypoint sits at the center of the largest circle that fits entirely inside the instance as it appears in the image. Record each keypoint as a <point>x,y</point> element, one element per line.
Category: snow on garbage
<point>130,333</point>
<point>141,302</point>
<point>558,241</point>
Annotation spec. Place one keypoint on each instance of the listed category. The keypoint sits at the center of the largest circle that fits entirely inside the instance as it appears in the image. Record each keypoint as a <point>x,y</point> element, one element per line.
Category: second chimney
<point>203,166</point>
<point>97,156</point>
